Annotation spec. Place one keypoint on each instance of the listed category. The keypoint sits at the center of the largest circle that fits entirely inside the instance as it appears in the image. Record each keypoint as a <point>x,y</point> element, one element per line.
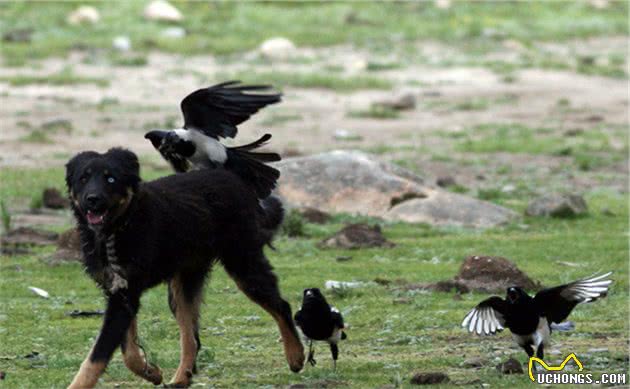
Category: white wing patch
<point>483,321</point>
<point>589,289</point>
<point>333,309</point>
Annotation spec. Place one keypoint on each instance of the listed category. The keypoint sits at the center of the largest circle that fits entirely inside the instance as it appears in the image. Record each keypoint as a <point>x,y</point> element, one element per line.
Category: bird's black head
<point>101,186</point>
<point>515,294</point>
<point>313,294</point>
<point>155,137</point>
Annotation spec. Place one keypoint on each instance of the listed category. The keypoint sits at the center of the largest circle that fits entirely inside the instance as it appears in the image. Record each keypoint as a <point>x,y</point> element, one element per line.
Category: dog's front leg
<point>121,310</point>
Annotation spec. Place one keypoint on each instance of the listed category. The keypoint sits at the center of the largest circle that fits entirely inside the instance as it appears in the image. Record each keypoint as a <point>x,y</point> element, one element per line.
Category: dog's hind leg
<point>134,358</point>
<point>120,312</point>
<point>185,296</point>
<point>254,276</point>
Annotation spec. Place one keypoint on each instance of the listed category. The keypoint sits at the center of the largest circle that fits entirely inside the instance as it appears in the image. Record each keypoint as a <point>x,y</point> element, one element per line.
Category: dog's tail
<point>272,216</point>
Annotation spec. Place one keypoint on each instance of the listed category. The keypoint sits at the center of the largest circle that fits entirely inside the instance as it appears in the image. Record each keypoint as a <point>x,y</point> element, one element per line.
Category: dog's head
<point>101,186</point>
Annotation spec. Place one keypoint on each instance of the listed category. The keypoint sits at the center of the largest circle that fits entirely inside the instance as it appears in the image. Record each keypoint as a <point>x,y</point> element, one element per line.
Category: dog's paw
<point>153,374</point>
<point>296,360</point>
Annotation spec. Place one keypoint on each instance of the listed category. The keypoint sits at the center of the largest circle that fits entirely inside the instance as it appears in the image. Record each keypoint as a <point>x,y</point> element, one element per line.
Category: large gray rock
<point>557,205</point>
<point>356,183</point>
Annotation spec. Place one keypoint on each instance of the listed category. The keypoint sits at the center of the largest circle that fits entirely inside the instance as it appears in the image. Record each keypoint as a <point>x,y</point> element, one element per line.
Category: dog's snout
<point>92,199</point>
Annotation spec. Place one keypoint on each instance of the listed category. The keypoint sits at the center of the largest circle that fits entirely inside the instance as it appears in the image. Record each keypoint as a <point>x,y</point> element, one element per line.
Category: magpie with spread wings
<point>211,114</point>
<point>531,319</point>
<point>319,321</point>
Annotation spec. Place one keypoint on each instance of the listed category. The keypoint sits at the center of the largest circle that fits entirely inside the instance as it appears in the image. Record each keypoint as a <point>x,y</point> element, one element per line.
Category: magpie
<point>211,114</point>
<point>320,321</point>
<point>531,319</point>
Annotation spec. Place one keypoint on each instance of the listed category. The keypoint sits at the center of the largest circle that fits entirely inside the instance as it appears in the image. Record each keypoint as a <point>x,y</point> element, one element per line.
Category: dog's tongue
<point>93,218</point>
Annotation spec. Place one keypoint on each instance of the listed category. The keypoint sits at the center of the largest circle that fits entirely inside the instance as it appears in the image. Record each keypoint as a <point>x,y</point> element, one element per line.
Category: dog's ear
<point>75,165</point>
<point>128,163</point>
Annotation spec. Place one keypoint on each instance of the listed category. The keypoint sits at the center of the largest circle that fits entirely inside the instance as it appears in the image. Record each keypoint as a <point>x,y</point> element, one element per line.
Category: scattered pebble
<point>401,102</point>
<point>162,11</point>
<point>597,350</point>
<point>511,366</point>
<point>174,32</point>
<point>557,205</point>
<point>39,292</point>
<point>277,48</point>
<point>473,363</point>
<point>342,134</point>
<point>431,378</point>
<point>84,14</point>
<point>332,284</point>
<point>442,4</point>
<point>445,181</point>
<point>122,43</point>
<point>19,35</point>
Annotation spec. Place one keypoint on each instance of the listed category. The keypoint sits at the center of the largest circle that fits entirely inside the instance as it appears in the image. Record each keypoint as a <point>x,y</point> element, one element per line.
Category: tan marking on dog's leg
<point>186,314</point>
<point>293,349</point>
<point>88,374</point>
<point>135,360</point>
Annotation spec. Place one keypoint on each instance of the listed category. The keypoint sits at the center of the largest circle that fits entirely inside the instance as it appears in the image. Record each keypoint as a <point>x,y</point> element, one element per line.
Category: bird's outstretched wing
<point>218,109</point>
<point>557,303</point>
<point>487,318</point>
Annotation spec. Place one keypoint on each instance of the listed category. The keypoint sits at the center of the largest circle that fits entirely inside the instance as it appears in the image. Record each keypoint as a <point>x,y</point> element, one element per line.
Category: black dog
<point>135,235</point>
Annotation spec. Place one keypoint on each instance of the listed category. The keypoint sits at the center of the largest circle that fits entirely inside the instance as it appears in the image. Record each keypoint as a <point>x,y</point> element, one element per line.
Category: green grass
<point>387,342</point>
<point>227,27</point>
<point>63,77</point>
<point>590,149</point>
<point>311,80</point>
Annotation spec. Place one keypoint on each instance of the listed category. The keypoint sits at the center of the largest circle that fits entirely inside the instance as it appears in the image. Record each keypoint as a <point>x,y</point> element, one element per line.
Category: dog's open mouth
<point>95,218</point>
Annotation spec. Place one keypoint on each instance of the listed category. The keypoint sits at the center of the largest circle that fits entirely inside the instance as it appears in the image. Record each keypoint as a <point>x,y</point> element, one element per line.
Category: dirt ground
<point>139,98</point>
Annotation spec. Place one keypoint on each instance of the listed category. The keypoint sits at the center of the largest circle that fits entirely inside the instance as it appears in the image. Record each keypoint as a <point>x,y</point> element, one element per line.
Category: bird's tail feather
<point>273,215</point>
<point>251,167</point>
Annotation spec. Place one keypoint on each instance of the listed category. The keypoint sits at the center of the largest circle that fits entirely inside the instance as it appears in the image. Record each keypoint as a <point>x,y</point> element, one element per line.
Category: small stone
<point>277,48</point>
<point>557,205</point>
<point>314,215</point>
<point>52,198</point>
<point>598,350</point>
<point>402,102</point>
<point>599,4</point>
<point>445,181</point>
<point>345,258</point>
<point>342,134</point>
<point>431,378</point>
<point>608,212</point>
<point>83,15</point>
<point>174,32</point>
<point>509,188</point>
<point>473,363</point>
<point>19,35</point>
<point>355,236</point>
<point>162,11</point>
<point>122,43</point>
<point>511,366</point>
<point>442,4</point>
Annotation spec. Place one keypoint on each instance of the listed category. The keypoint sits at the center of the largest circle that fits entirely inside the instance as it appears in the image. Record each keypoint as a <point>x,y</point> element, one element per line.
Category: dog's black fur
<point>171,230</point>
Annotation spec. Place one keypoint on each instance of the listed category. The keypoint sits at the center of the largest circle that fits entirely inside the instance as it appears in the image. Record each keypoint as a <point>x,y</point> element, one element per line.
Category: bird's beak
<point>155,137</point>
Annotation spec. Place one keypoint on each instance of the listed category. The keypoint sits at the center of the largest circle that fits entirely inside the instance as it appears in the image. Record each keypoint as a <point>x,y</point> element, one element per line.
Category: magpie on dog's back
<point>531,319</point>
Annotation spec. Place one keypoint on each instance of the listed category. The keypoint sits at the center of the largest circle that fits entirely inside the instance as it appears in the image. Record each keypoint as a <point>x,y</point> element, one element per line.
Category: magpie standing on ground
<point>531,319</point>
<point>213,113</point>
<point>320,321</point>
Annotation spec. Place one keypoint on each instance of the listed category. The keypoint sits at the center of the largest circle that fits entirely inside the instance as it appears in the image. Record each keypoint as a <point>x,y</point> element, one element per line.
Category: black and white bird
<point>211,114</point>
<point>531,319</point>
<point>319,321</point>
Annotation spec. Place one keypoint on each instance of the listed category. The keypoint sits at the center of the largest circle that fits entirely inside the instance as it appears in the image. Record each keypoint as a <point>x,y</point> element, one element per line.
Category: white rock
<point>163,11</point>
<point>331,284</point>
<point>84,14</point>
<point>174,32</point>
<point>39,292</point>
<point>277,48</point>
<point>599,4</point>
<point>442,4</point>
<point>122,43</point>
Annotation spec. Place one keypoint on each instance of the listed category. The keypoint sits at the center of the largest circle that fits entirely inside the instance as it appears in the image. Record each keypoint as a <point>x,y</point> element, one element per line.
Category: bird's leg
<point>311,354</point>
<point>334,349</point>
<point>530,352</point>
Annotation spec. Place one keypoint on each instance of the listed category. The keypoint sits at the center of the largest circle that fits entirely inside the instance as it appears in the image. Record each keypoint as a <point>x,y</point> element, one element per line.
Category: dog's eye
<point>111,180</point>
